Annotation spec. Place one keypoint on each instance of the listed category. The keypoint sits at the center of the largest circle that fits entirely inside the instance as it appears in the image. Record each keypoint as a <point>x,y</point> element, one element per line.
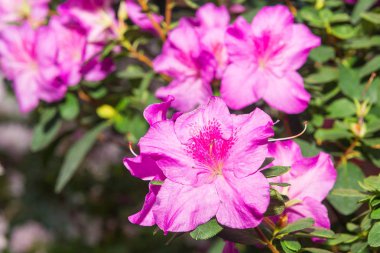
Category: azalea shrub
<point>249,126</point>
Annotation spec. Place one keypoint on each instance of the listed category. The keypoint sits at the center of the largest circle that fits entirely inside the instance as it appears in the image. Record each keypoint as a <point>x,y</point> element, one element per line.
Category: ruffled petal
<point>157,112</point>
<point>182,208</point>
<point>214,113</point>
<point>275,19</point>
<point>286,93</point>
<point>243,200</point>
<point>188,93</point>
<point>251,137</point>
<point>143,167</point>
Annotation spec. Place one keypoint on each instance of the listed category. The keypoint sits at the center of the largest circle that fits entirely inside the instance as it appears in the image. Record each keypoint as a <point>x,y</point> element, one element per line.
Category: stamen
<point>290,137</point>
<point>131,149</point>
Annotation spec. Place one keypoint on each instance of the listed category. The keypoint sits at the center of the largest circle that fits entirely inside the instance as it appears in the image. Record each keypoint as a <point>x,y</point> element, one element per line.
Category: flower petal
<point>287,93</point>
<point>145,217</point>
<point>143,167</point>
<point>312,177</point>
<point>309,208</point>
<point>215,111</point>
<point>157,112</point>
<point>243,200</point>
<point>251,137</point>
<point>239,41</point>
<point>181,208</point>
<point>285,152</point>
<point>188,93</point>
<point>272,18</point>
<point>212,16</point>
<point>229,247</point>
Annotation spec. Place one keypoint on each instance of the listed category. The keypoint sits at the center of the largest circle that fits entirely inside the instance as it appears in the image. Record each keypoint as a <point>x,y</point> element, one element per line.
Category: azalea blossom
<point>264,58</point>
<point>210,161</point>
<point>141,19</point>
<point>310,181</point>
<point>16,11</point>
<point>96,16</point>
<point>28,58</point>
<point>191,66</point>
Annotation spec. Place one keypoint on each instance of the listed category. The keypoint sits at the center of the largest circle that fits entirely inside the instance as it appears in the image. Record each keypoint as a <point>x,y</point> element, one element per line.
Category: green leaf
<point>132,72</point>
<point>374,235</point>
<point>375,214</point>
<point>156,182</point>
<point>297,226</point>
<point>347,181</point>
<point>341,108</point>
<point>275,171</point>
<point>363,43</point>
<point>69,109</point>
<point>372,17</point>
<point>366,223</point>
<point>349,82</point>
<point>279,184</point>
<point>343,32</point>
<point>46,130</point>
<point>372,66</point>
<point>308,149</point>
<point>316,250</point>
<point>206,231</point>
<point>340,238</point>
<point>290,245</point>
<point>372,183</point>
<point>321,233</point>
<point>360,7</point>
<point>276,205</point>
<point>331,134</point>
<point>76,154</point>
<point>322,54</point>
<point>267,161</point>
<point>324,75</point>
<point>359,247</point>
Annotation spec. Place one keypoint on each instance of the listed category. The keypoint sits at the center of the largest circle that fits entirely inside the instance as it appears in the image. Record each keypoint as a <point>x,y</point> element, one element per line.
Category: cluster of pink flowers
<point>209,162</point>
<point>253,62</point>
<point>43,60</point>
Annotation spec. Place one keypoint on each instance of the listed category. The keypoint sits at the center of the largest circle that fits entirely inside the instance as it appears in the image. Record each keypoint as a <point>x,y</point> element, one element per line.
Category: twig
<point>349,150</point>
<point>156,26</point>
<point>168,14</point>
<point>136,54</point>
<point>269,244</point>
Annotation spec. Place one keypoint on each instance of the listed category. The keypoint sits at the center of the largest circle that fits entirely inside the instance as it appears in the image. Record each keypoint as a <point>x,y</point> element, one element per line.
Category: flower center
<point>208,148</point>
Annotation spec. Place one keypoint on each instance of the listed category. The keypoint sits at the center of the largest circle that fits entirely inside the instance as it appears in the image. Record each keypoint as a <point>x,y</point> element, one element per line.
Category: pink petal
<point>241,85</point>
<point>26,89</point>
<point>157,112</point>
<point>185,38</point>
<point>215,111</point>
<point>243,200</point>
<point>182,208</point>
<point>162,145</point>
<point>312,177</point>
<point>309,208</point>
<point>145,217</point>
<point>287,93</point>
<point>188,93</point>
<point>285,152</point>
<point>212,16</point>
<point>251,137</point>
<point>239,41</point>
<point>272,18</point>
<point>143,167</point>
<point>301,43</point>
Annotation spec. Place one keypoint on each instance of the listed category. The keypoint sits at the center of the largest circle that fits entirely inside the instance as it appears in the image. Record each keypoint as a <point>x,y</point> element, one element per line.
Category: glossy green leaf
<point>372,17</point>
<point>276,204</point>
<point>297,226</point>
<point>76,154</point>
<point>322,54</point>
<point>360,7</point>
<point>341,108</point>
<point>206,231</point>
<point>69,108</point>
<point>275,171</point>
<point>349,82</point>
<point>374,235</point>
<point>347,181</point>
<point>46,130</point>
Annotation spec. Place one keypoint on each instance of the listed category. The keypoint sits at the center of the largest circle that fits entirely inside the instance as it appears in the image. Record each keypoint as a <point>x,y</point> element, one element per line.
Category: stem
<point>269,244</point>
<point>349,150</point>
<point>156,26</point>
<point>168,14</point>
<point>136,54</point>
<point>291,7</point>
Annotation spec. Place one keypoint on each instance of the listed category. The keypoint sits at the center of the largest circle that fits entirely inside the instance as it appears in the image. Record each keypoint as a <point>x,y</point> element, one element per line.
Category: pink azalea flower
<point>35,11</point>
<point>213,22</point>
<point>264,59</point>
<point>140,18</point>
<point>210,161</point>
<point>310,181</point>
<point>96,16</point>
<point>190,65</point>
<point>28,58</point>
